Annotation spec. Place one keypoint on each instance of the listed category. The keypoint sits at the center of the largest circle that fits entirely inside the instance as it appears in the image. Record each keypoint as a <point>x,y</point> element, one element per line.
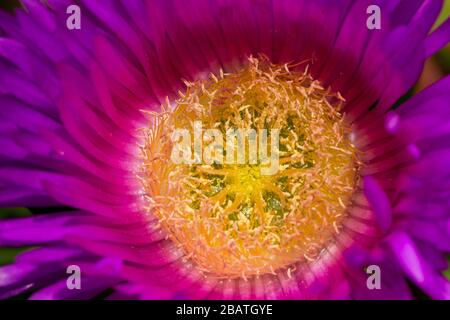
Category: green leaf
<point>8,213</point>
<point>8,255</point>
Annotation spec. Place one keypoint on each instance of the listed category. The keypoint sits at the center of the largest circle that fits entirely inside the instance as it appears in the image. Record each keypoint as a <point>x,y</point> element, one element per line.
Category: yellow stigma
<point>230,219</point>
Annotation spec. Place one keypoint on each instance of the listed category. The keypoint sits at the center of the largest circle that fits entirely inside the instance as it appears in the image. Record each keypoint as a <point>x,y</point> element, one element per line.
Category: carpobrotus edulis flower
<point>88,120</point>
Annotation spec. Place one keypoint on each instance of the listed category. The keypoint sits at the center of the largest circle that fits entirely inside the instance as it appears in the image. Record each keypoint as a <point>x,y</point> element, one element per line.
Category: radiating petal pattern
<point>71,109</point>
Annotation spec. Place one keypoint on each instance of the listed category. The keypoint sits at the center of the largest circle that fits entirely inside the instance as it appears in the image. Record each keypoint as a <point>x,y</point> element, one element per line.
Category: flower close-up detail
<point>223,149</point>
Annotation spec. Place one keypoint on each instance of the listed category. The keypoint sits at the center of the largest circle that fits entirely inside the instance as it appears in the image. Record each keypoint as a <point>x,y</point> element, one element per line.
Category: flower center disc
<point>235,219</point>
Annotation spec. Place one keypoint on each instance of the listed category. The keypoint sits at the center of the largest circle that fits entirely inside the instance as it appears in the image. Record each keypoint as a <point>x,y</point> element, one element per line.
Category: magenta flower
<point>361,183</point>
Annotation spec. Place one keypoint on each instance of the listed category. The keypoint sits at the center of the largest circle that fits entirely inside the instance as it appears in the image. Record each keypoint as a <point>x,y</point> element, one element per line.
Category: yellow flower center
<point>233,219</point>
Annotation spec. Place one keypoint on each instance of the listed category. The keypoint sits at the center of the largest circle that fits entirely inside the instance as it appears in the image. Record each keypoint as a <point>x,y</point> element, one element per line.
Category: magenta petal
<point>379,202</point>
<point>90,287</point>
<point>417,269</point>
<point>438,38</point>
<point>392,122</point>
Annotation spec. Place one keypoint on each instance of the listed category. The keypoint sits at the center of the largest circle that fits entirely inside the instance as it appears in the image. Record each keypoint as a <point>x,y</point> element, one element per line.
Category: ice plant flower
<point>87,124</point>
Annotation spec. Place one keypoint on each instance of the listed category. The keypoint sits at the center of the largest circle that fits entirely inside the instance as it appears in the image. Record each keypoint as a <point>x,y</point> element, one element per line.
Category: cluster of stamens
<point>230,219</point>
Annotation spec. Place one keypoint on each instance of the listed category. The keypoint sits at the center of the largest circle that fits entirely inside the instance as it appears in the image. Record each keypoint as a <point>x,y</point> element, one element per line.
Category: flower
<point>83,132</point>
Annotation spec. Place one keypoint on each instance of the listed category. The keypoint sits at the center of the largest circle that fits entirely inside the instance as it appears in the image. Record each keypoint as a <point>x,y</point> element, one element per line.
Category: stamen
<point>229,218</point>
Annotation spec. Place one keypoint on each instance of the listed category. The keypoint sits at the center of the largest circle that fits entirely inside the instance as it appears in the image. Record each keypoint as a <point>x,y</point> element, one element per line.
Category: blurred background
<point>435,68</point>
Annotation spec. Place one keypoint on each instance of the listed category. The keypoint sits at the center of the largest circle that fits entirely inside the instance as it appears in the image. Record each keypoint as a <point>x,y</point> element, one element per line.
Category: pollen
<point>230,219</point>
